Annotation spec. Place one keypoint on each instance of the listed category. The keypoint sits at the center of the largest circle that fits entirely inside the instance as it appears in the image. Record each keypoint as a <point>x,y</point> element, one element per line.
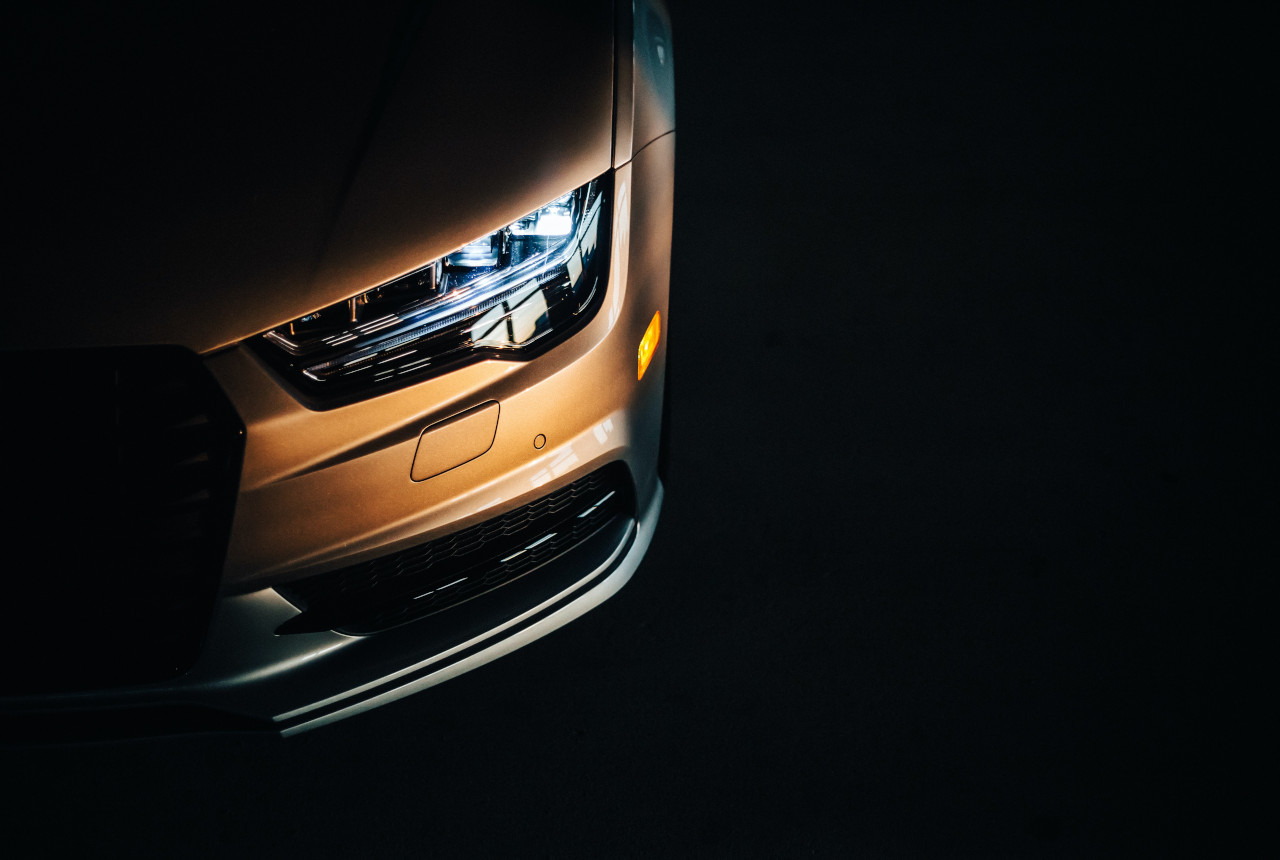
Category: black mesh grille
<point>443,573</point>
<point>123,467</point>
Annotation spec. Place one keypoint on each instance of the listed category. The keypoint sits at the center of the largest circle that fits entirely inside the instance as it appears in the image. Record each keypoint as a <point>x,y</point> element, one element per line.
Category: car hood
<point>196,175</point>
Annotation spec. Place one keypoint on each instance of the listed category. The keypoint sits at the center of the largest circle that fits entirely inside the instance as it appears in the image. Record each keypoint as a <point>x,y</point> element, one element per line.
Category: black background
<point>962,552</point>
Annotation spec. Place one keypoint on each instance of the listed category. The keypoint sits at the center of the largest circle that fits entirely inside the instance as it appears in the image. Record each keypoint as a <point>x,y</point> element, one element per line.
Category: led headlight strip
<point>510,294</point>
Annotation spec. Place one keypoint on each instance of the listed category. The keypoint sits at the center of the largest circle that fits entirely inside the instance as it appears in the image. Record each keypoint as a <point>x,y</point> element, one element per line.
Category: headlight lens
<point>511,294</point>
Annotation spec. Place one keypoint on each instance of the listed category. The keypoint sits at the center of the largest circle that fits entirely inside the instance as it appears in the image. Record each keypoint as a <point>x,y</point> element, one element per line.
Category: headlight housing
<point>510,294</point>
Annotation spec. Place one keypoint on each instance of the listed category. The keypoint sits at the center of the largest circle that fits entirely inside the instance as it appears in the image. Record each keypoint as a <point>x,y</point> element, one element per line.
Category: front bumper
<point>252,679</point>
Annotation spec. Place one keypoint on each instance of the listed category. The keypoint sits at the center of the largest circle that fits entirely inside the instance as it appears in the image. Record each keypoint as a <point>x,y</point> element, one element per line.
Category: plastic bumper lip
<point>253,679</point>
<point>582,596</point>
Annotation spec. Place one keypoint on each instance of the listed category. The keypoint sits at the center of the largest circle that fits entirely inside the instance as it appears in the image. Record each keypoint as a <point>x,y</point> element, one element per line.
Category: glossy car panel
<point>301,170</point>
<point>439,158</point>
<point>580,397</point>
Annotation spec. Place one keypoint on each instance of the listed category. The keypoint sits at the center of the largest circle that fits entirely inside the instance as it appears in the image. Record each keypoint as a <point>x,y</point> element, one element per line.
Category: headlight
<point>511,294</point>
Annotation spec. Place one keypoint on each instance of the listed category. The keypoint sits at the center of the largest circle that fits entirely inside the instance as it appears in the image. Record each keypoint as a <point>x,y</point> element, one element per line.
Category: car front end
<point>329,410</point>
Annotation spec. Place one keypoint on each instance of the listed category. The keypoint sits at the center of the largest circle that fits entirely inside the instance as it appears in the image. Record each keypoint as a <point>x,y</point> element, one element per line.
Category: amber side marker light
<point>648,344</point>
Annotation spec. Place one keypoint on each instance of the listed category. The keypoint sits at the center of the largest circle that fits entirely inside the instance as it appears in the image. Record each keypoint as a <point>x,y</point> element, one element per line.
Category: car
<point>335,350</point>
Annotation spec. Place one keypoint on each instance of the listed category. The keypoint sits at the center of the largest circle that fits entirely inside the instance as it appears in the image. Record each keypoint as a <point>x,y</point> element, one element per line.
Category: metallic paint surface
<point>307,171</point>
<point>653,94</point>
<point>343,474</point>
<point>321,490</point>
<point>449,443</point>
<point>645,85</point>
<point>328,489</point>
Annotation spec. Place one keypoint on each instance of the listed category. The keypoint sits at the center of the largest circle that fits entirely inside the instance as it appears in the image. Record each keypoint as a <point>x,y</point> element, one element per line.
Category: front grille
<point>122,475</point>
<point>440,574</point>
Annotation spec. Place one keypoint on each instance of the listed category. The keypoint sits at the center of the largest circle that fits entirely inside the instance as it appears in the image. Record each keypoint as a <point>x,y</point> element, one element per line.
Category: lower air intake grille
<point>432,577</point>
<point>121,477</point>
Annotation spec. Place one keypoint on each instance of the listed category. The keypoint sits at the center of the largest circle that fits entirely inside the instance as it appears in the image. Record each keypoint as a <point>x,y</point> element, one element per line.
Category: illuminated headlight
<point>510,294</point>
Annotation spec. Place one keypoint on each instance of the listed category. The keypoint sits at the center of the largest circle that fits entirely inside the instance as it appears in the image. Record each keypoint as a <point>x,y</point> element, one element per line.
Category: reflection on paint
<point>484,507</point>
<point>602,430</point>
<point>562,461</point>
<point>621,247</point>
